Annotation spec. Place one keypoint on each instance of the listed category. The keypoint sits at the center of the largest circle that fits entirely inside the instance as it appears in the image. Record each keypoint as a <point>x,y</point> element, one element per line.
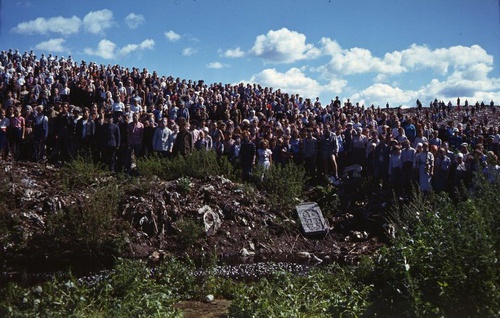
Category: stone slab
<point>311,218</point>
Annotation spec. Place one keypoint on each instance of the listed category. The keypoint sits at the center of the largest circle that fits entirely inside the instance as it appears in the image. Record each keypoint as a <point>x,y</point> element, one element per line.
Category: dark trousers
<point>109,156</point>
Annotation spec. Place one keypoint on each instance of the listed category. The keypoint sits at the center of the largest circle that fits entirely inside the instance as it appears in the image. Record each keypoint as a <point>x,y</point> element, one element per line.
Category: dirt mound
<point>185,216</point>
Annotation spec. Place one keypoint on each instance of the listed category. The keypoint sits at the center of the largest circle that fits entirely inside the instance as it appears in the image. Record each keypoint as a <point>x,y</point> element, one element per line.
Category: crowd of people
<point>54,109</point>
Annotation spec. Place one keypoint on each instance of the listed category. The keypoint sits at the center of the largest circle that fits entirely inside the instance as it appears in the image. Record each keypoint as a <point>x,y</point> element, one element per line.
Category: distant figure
<point>184,141</point>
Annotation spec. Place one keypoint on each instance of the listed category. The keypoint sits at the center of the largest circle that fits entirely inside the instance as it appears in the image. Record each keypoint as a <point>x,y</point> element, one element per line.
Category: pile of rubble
<point>187,216</point>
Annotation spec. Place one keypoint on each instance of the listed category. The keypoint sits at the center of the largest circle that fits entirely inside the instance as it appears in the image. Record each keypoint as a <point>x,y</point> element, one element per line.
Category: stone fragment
<point>311,218</point>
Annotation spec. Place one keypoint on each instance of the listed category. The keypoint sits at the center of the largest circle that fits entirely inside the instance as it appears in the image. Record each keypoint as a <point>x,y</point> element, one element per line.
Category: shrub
<point>283,184</point>
<point>86,226</point>
<point>330,292</point>
<point>199,164</point>
<point>443,261</point>
<point>82,172</point>
<point>128,291</point>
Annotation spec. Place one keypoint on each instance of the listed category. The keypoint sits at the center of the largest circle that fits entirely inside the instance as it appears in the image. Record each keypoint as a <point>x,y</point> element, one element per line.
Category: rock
<point>246,253</point>
<point>303,255</point>
<point>211,219</point>
<point>155,256</point>
<point>311,218</point>
<point>209,298</point>
<point>316,259</point>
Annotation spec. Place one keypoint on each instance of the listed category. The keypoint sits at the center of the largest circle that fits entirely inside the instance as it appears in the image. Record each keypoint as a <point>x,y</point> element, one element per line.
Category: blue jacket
<point>110,135</point>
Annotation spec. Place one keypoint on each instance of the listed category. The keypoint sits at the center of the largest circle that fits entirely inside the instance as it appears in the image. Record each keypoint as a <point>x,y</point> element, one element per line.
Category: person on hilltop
<point>110,141</point>
<point>183,144</point>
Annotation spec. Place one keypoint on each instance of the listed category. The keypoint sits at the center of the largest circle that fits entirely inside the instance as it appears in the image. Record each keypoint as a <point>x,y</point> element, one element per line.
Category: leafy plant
<point>82,172</point>
<point>191,231</point>
<point>86,226</point>
<point>283,184</point>
<point>443,261</point>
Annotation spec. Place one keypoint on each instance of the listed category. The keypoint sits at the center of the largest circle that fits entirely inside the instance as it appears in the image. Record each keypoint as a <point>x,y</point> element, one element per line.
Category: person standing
<point>4,125</point>
<point>135,135</point>
<point>40,134</point>
<point>16,133</point>
<point>183,144</point>
<point>110,141</point>
<point>247,156</point>
<point>162,139</point>
<point>424,163</point>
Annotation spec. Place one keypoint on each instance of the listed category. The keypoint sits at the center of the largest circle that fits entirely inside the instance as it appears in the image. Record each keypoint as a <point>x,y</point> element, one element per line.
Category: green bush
<point>283,184</point>
<point>86,227</point>
<point>198,164</point>
<point>329,292</point>
<point>191,231</point>
<point>129,291</point>
<point>82,172</point>
<point>444,260</point>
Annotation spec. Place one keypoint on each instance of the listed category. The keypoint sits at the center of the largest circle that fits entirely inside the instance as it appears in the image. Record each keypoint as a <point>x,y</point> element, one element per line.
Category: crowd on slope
<point>54,108</point>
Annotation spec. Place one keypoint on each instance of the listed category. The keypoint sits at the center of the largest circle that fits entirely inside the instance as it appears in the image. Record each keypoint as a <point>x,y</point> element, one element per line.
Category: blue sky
<point>372,52</point>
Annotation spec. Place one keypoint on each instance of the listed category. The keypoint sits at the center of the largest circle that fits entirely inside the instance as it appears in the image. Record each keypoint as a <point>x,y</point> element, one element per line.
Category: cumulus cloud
<point>283,46</point>
<point>109,50</point>
<point>292,81</point>
<point>216,65</point>
<point>134,20</point>
<point>330,47</point>
<point>335,86</point>
<point>418,57</point>
<point>472,61</point>
<point>233,53</point>
<point>105,49</point>
<point>52,45</point>
<point>97,22</point>
<point>188,51</point>
<point>380,94</point>
<point>172,36</point>
<point>63,26</point>
<point>144,45</point>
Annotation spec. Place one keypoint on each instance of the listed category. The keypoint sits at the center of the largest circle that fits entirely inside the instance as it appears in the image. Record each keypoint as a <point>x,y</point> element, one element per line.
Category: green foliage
<point>199,164</point>
<point>86,226</point>
<point>183,185</point>
<point>129,291</point>
<point>283,184</point>
<point>329,292</point>
<point>327,198</point>
<point>152,165</point>
<point>82,172</point>
<point>444,260</point>
<point>191,231</point>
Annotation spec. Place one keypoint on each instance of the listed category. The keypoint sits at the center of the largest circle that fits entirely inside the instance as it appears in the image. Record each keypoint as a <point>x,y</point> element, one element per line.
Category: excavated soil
<point>167,218</point>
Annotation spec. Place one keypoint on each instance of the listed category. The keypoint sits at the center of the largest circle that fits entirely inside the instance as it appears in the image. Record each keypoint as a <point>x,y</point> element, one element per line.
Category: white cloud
<point>330,47</point>
<point>216,65</point>
<point>52,45</point>
<point>105,49</point>
<point>188,51</point>
<point>172,36</point>
<point>360,61</point>
<point>380,94</point>
<point>292,81</point>
<point>134,20</point>
<point>63,26</point>
<point>283,46</point>
<point>233,53</point>
<point>147,44</point>
<point>335,86</point>
<point>97,22</point>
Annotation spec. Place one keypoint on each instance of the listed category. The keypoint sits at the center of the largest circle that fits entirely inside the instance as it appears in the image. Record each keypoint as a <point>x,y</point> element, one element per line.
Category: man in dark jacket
<point>184,142</point>
<point>110,141</point>
<point>247,156</point>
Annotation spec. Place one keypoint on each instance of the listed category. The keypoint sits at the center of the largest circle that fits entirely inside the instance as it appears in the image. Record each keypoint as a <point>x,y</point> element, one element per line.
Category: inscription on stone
<point>311,218</point>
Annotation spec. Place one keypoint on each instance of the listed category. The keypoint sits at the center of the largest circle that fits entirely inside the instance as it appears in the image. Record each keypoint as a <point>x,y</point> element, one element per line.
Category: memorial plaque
<point>311,218</point>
